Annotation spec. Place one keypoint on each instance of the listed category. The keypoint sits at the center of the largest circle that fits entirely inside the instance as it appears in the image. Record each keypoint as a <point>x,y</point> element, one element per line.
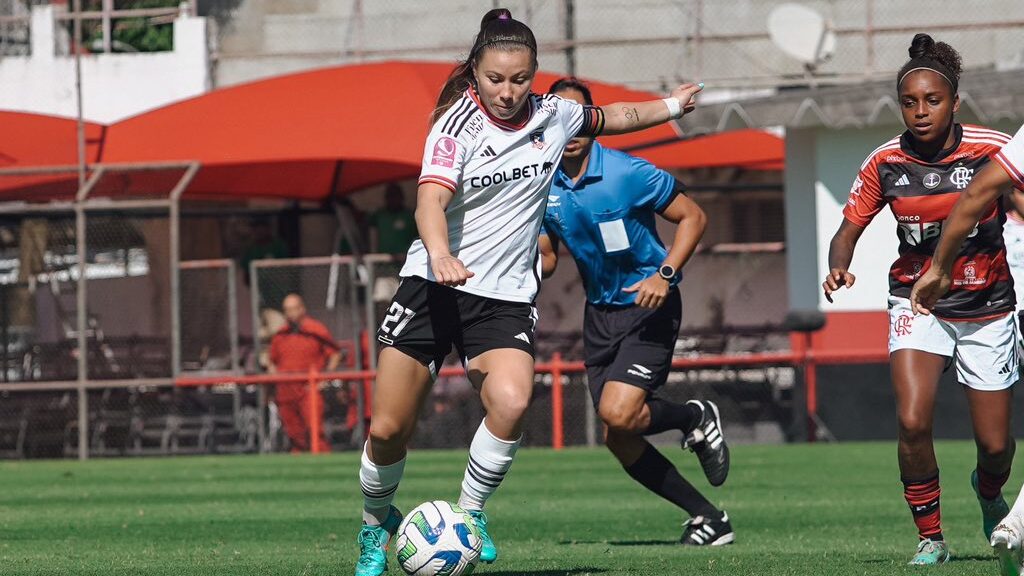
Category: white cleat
<point>1006,542</point>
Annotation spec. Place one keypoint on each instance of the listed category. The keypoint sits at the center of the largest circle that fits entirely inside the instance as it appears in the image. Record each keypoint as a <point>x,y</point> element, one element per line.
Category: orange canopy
<point>307,136</point>
<point>750,148</point>
<point>31,140</point>
<point>312,134</point>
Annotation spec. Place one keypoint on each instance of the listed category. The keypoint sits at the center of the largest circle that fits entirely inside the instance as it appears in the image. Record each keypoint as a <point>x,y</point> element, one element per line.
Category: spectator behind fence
<point>300,345</point>
<point>393,228</point>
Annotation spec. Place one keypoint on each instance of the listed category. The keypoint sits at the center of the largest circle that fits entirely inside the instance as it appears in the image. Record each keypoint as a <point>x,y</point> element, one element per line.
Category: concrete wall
<point>646,44</point>
<point>114,86</point>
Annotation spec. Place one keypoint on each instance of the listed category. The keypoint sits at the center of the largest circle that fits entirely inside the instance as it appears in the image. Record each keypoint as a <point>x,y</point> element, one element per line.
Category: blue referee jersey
<point>606,220</point>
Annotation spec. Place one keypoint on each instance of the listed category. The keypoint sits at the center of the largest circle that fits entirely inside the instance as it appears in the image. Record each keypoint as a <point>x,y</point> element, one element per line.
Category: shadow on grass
<point>624,542</point>
<point>570,572</point>
<point>952,559</point>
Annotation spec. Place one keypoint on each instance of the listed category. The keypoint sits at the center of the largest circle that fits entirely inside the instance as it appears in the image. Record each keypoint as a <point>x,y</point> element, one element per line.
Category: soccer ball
<point>438,539</point>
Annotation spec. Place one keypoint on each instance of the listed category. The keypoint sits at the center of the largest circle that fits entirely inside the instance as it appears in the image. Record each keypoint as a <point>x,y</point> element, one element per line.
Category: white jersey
<point>1013,237</point>
<point>500,174</point>
<point>1011,158</point>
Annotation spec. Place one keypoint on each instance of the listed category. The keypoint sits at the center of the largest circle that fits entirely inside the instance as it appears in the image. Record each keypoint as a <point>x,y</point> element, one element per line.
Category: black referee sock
<point>658,475</point>
<point>667,415</point>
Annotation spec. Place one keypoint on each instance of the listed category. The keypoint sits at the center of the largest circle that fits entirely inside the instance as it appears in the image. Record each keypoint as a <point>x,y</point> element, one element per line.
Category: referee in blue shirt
<point>602,206</point>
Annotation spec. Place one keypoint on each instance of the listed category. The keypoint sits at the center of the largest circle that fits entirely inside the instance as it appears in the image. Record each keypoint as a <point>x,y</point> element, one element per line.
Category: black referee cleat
<point>707,531</point>
<point>708,443</point>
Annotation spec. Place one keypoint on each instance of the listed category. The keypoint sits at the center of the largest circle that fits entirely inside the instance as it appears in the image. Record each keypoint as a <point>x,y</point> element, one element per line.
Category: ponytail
<point>498,30</point>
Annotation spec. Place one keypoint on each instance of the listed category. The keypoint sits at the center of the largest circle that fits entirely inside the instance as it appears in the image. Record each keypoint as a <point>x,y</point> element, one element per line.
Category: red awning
<point>750,149</point>
<point>32,140</point>
<point>312,134</point>
<point>307,136</point>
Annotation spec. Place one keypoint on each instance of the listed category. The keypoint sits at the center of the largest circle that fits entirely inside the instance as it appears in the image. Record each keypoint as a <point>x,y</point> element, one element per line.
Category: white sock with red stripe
<point>489,460</point>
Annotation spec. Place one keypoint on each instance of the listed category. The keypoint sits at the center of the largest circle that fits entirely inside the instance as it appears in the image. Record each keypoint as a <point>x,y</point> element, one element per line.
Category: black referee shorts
<point>630,344</point>
<point>426,319</point>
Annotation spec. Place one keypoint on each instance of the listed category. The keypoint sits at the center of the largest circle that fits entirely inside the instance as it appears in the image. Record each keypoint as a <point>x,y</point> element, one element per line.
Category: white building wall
<point>114,86</point>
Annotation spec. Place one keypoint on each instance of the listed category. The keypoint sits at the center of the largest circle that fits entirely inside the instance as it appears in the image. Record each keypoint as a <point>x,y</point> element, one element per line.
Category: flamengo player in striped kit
<point>472,278</point>
<point>975,205</point>
<point>920,175</point>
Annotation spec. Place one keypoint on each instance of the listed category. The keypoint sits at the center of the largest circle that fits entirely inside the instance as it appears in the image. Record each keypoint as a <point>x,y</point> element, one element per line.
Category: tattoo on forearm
<point>631,114</point>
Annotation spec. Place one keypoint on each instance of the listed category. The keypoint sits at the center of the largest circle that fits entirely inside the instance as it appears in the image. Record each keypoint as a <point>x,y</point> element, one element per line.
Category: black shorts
<point>630,344</point>
<point>425,319</point>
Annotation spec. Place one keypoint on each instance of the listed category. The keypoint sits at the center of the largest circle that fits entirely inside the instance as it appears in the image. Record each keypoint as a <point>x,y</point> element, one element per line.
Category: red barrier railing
<point>802,357</point>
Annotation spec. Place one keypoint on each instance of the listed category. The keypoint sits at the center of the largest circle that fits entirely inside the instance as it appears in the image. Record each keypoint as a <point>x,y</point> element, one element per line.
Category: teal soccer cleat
<point>488,553</point>
<point>373,545</point>
<point>930,553</point>
<point>992,511</point>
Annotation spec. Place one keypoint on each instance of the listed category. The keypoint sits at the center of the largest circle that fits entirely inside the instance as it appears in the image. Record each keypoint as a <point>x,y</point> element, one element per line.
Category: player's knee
<point>388,431</point>
<point>995,448</point>
<point>509,404</point>
<point>619,418</point>
<point>915,430</point>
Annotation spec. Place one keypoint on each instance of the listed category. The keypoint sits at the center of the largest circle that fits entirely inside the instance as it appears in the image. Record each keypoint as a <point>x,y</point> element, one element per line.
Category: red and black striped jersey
<point>921,193</point>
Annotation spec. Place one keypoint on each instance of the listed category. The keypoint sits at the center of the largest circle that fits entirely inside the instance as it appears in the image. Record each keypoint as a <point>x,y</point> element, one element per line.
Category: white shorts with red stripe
<point>985,352</point>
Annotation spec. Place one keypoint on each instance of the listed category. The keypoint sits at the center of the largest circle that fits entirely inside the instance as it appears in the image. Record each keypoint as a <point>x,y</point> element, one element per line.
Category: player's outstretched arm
<point>983,190</point>
<point>840,255</point>
<point>431,201</point>
<point>623,117</point>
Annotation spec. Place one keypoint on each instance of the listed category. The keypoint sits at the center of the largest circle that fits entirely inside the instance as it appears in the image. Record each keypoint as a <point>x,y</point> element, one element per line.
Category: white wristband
<point>675,109</point>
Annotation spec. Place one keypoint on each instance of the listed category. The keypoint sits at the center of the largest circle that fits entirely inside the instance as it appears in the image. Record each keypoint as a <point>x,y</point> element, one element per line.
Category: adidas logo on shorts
<point>522,336</point>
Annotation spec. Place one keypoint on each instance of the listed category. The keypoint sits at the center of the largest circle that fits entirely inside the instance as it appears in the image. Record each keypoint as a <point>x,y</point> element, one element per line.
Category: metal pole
<point>570,36</point>
<point>82,319</point>
<point>869,36</point>
<point>108,7</point>
<point>174,209</point>
<point>354,287</point>
<point>233,316</point>
<point>175,249</point>
<point>254,293</point>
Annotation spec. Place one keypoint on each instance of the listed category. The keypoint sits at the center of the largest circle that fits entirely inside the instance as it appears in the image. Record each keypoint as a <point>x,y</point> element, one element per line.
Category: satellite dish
<point>802,33</point>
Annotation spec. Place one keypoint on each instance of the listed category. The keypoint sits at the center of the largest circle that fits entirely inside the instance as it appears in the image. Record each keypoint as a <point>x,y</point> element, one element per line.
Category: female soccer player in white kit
<point>471,279</point>
<point>996,178</point>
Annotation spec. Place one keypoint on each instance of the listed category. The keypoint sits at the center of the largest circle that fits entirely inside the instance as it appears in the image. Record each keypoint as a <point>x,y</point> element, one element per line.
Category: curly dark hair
<point>926,52</point>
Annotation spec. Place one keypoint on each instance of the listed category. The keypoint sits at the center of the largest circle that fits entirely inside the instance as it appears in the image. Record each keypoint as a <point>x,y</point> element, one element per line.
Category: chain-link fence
<point>209,316</point>
<point>757,400</point>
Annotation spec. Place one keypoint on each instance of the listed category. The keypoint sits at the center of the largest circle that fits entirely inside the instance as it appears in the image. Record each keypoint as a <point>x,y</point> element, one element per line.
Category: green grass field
<point>801,510</point>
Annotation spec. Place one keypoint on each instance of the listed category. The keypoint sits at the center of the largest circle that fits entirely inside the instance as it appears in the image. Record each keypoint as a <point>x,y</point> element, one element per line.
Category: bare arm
<point>431,201</point>
<point>691,222</point>
<point>983,190</point>
<point>333,361</point>
<point>548,255</point>
<point>623,117</point>
<point>840,255</point>
<point>652,291</point>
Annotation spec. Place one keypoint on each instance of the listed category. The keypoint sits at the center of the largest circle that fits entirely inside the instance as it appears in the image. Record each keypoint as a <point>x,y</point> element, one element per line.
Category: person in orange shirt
<point>299,345</point>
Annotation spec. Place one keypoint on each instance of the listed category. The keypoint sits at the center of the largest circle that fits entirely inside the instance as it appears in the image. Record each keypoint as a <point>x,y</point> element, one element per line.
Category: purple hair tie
<point>504,17</point>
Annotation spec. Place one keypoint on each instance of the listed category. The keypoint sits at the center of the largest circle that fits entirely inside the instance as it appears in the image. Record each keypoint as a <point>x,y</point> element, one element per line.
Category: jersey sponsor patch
<point>444,152</point>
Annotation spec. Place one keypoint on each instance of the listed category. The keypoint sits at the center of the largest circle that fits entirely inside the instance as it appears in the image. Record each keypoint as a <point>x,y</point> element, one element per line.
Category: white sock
<point>379,485</point>
<point>489,460</point>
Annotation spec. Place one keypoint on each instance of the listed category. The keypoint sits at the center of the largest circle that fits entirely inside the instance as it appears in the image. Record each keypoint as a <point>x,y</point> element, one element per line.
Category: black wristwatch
<point>667,272</point>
